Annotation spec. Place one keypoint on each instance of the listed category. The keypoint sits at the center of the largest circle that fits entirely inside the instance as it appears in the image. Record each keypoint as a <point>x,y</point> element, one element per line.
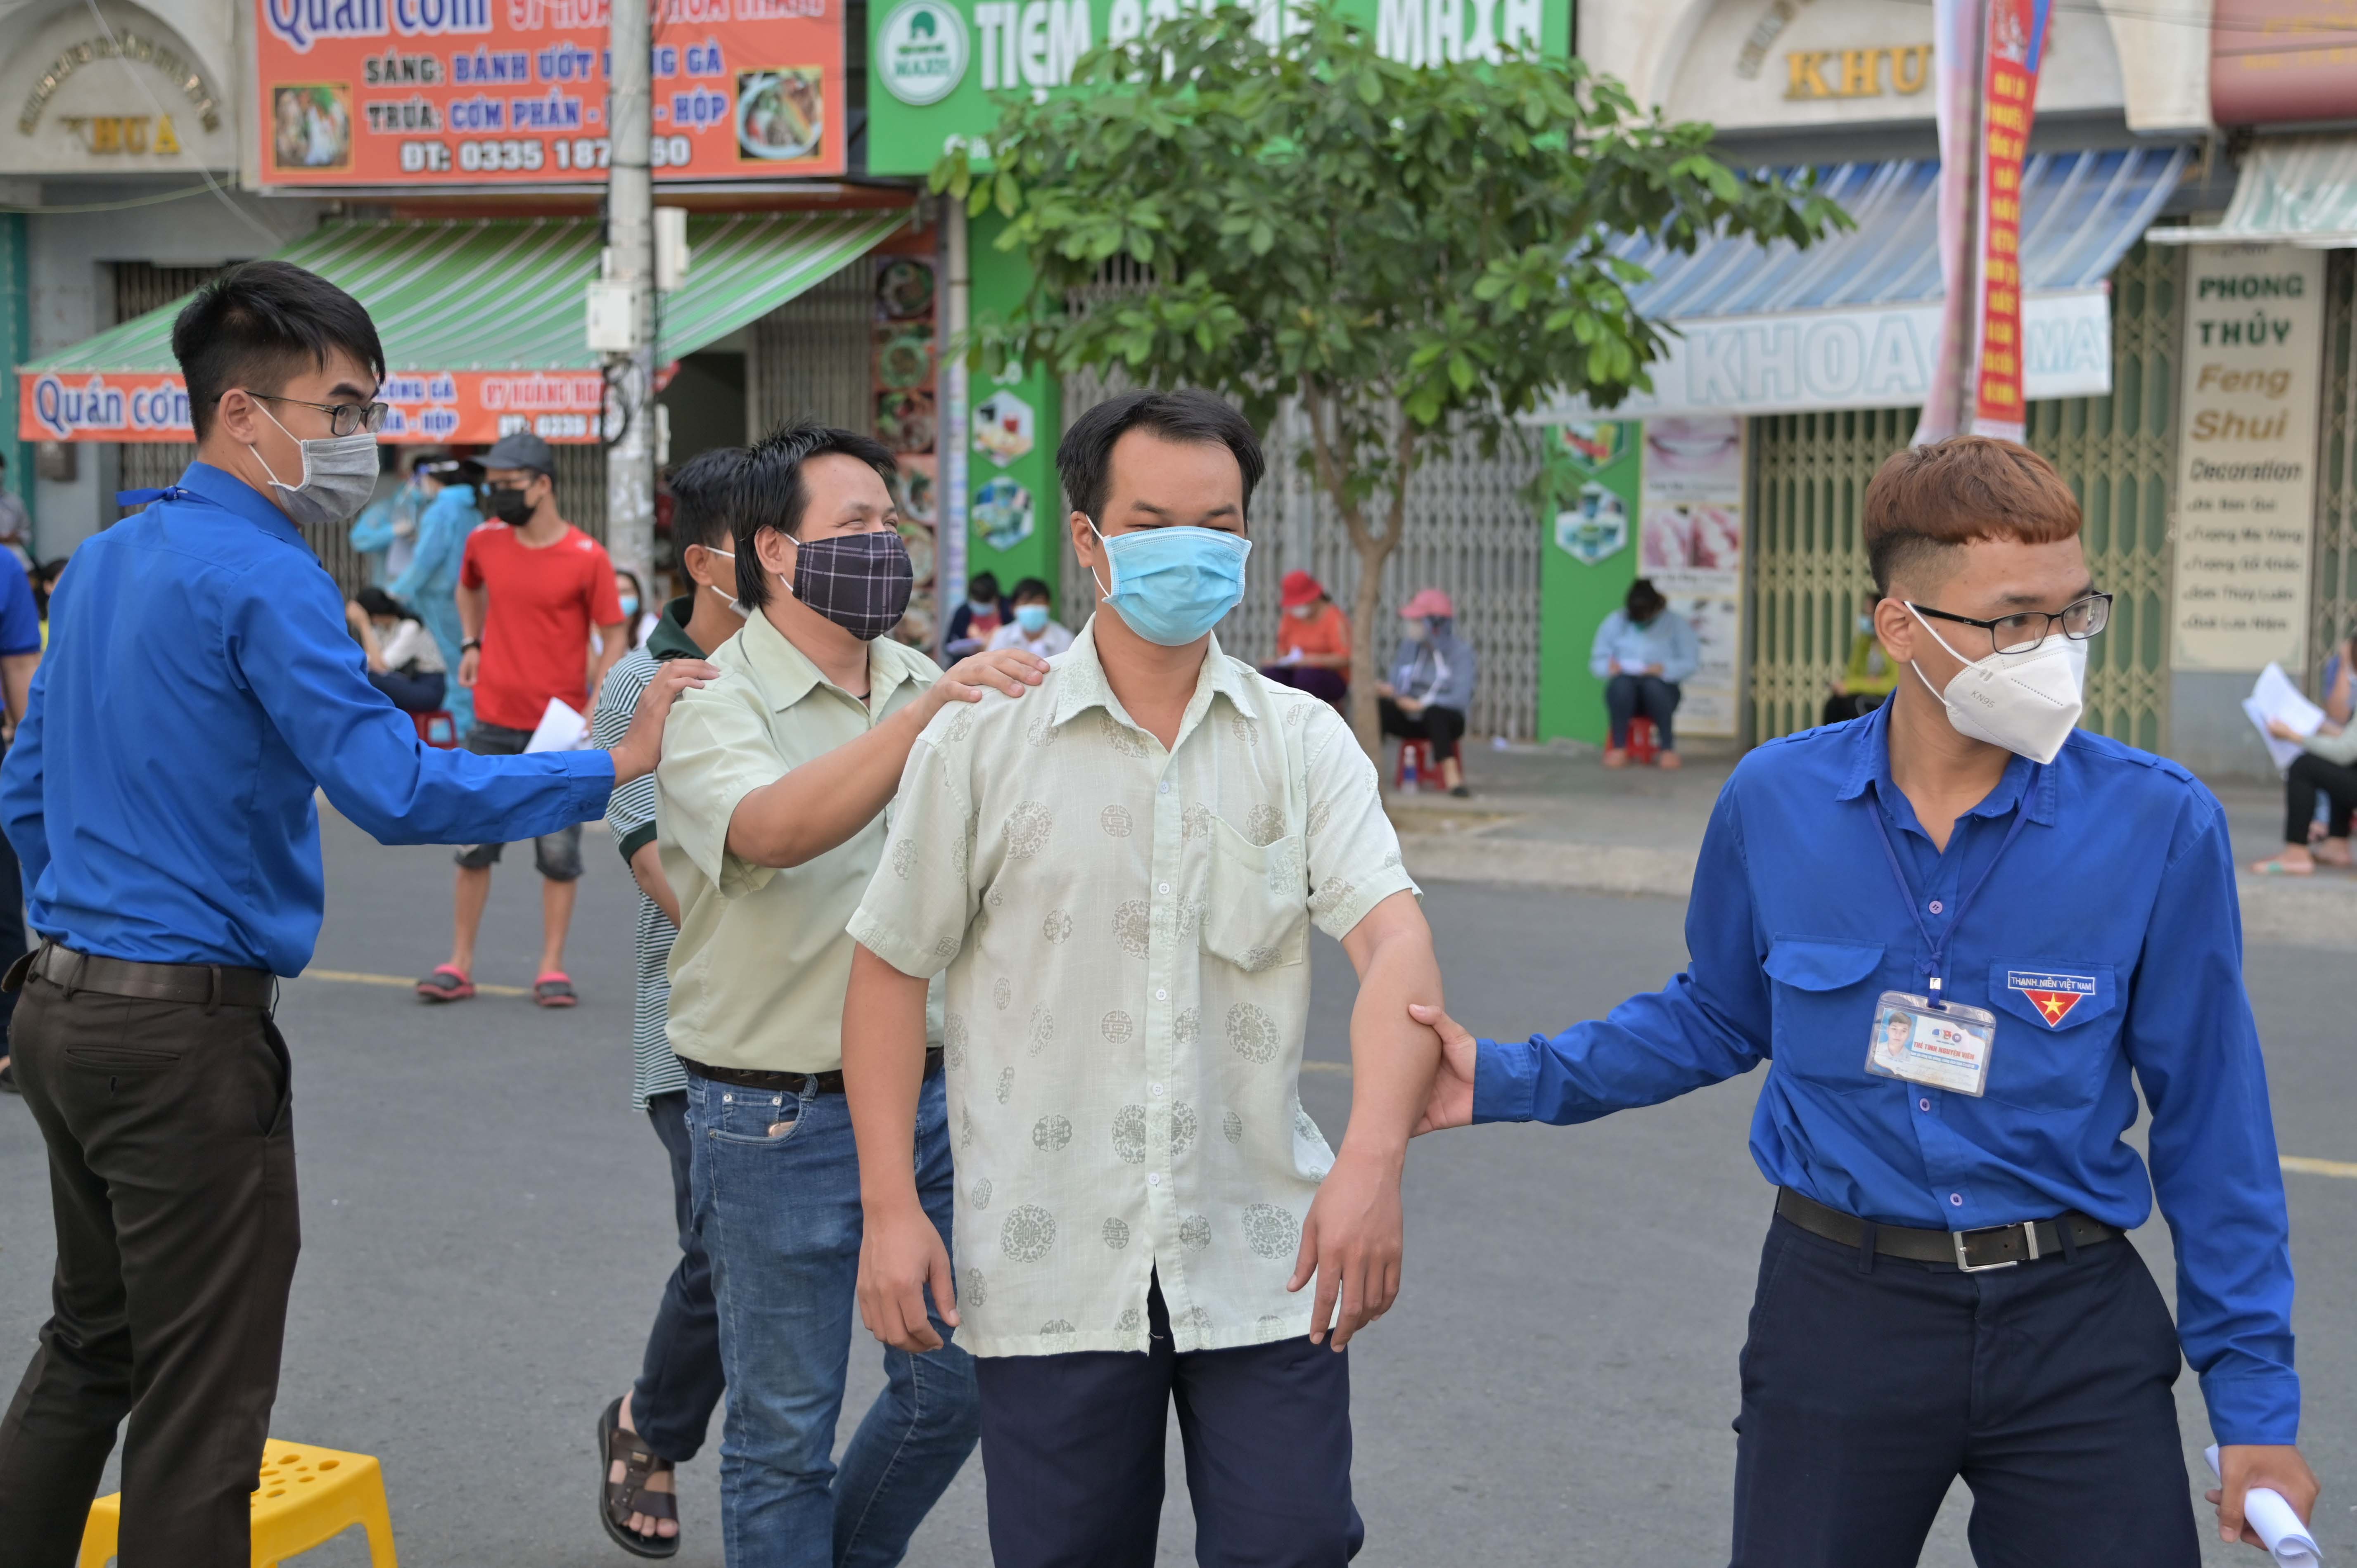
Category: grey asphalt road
<point>486,1219</point>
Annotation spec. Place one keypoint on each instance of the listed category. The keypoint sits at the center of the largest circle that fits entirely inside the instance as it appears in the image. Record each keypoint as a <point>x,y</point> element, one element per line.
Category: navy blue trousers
<point>680,1381</point>
<point>1071,1453</point>
<point>1867,1390</point>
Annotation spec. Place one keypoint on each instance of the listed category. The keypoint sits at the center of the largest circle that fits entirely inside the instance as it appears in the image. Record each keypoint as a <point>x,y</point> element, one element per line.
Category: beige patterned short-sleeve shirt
<point>1125,932</point>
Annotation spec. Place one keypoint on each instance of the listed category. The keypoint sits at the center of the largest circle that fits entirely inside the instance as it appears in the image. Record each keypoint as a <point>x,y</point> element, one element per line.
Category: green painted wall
<point>16,347</point>
<point>1588,513</point>
<point>1015,508</point>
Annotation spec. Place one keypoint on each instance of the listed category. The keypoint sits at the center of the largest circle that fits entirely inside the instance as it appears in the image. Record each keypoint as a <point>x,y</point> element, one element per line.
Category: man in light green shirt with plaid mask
<point>1118,875</point>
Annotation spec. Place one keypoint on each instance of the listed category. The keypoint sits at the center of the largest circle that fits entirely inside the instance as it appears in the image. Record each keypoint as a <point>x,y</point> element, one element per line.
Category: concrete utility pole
<point>630,262</point>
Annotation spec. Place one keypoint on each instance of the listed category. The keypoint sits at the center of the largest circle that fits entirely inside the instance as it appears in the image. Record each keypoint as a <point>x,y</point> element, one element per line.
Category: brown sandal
<point>617,1501</point>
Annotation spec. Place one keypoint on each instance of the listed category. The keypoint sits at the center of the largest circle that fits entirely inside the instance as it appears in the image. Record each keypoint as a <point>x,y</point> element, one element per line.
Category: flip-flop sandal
<point>447,983</point>
<point>554,989</point>
<point>2278,868</point>
<point>617,1501</point>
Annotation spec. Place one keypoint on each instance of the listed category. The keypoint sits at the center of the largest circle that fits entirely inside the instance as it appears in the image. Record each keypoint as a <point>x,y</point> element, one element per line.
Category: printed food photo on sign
<point>780,113</point>
<point>904,420</point>
<point>904,289</point>
<point>1002,510</point>
<point>312,125</point>
<point>1004,427</point>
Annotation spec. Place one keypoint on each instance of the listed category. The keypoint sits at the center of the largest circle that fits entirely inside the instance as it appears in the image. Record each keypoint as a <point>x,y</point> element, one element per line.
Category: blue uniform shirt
<point>2106,940</point>
<point>200,682</point>
<point>20,618</point>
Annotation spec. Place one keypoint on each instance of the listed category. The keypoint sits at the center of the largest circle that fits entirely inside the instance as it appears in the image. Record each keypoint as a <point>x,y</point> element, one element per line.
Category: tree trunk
<point>1366,609</point>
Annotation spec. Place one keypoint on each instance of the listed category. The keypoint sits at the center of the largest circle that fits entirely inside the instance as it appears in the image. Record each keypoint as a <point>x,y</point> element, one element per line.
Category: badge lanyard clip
<point>1939,945</point>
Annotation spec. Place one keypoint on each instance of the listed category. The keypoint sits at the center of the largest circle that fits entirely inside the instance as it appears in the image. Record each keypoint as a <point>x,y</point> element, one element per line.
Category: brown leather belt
<point>209,985</point>
<point>1991,1247</point>
<point>790,1082</point>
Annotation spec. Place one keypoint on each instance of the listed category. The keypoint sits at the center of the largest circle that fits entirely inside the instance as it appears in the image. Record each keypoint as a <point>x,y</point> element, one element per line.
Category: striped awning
<point>2292,190</point>
<point>507,293</point>
<point>1854,320</point>
<point>484,323</point>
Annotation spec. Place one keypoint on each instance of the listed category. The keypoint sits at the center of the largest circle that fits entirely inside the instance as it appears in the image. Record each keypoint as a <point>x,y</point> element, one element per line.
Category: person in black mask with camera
<point>529,595</point>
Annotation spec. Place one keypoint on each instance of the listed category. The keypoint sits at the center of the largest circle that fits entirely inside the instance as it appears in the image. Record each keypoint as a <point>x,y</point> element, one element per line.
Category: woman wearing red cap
<point>1313,641</point>
<point>1432,683</point>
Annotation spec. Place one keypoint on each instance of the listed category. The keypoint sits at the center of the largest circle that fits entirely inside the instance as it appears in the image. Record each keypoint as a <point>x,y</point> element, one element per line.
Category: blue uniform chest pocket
<point>1823,1008</point>
<point>2054,1048</point>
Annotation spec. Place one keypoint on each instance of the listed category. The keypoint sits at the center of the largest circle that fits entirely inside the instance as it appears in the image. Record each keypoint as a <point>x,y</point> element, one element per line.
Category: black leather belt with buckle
<point>1974,1251</point>
<point>209,985</point>
<point>786,1082</point>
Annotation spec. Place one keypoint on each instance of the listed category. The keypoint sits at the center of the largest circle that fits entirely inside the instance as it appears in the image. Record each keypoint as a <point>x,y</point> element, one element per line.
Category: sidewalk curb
<point>1573,867</point>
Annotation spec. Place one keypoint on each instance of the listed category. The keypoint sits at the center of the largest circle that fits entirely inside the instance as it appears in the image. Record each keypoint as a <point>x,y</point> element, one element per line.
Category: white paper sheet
<point>2287,1540</point>
<point>561,729</point>
<point>2275,697</point>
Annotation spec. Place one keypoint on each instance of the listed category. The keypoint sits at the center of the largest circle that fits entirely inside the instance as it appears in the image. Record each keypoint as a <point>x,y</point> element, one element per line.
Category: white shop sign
<point>1864,357</point>
<point>2246,457</point>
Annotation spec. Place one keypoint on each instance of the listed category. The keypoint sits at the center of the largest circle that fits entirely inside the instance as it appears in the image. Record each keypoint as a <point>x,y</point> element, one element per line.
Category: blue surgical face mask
<point>630,607</point>
<point>1171,585</point>
<point>1032,619</point>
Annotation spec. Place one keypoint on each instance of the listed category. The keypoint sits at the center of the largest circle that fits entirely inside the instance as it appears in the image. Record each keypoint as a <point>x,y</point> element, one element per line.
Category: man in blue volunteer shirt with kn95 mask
<point>1961,934</point>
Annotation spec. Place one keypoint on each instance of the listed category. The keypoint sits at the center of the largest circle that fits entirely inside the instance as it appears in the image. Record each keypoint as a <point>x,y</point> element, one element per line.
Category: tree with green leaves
<point>1418,254</point>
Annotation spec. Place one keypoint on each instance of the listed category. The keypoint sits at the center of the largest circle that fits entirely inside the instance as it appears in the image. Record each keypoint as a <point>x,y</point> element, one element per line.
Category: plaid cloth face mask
<point>859,581</point>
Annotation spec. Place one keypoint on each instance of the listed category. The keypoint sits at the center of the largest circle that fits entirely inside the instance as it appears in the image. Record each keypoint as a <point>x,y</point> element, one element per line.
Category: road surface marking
<point>2318,1168</point>
<point>354,977</point>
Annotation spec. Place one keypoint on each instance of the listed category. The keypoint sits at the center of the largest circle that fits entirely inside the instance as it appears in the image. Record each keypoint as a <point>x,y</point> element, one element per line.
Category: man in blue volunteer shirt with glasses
<point>2029,923</point>
<point>200,684</point>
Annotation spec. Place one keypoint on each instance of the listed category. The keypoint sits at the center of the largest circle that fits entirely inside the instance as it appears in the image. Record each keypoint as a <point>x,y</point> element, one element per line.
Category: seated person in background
<point>403,662</point>
<point>1872,674</point>
<point>2338,699</point>
<point>1642,654</point>
<point>973,623</point>
<point>1432,683</point>
<point>1032,630</point>
<point>2323,767</point>
<point>1313,641</point>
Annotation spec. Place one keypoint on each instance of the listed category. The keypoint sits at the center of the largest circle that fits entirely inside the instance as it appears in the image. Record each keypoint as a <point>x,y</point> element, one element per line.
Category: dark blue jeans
<point>1626,696</point>
<point>1867,1390</point>
<point>1072,1449</point>
<point>679,1381</point>
<point>777,1202</point>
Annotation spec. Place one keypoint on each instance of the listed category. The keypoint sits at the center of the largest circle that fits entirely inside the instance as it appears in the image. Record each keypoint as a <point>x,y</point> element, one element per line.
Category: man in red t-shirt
<point>531,589</point>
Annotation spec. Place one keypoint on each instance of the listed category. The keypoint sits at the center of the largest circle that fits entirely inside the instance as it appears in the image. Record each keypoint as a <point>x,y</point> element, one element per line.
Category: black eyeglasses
<point>343,418</point>
<point>2079,620</point>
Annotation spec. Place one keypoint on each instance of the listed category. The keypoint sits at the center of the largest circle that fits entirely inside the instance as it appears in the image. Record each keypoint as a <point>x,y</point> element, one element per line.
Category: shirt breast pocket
<point>1256,908</point>
<point>2054,1050</point>
<point>1822,1010</point>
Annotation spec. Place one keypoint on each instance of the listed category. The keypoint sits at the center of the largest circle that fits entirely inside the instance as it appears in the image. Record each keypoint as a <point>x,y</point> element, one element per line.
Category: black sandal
<point>617,1501</point>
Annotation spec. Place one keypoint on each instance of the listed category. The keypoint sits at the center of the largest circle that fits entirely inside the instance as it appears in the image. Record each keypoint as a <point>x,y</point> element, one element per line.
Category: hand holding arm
<point>641,745</point>
<point>1352,1239</point>
<point>900,1252</point>
<point>811,809</point>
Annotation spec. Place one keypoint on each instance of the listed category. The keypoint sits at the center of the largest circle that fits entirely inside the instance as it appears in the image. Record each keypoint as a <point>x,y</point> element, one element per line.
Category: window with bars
<point>1809,474</point>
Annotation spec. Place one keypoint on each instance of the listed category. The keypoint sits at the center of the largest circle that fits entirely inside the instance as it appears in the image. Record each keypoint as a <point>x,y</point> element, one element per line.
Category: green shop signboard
<point>935,65</point>
<point>1589,513</point>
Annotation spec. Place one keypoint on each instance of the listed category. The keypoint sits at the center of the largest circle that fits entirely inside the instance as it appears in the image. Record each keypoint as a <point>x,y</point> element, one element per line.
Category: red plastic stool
<point>1423,750</point>
<point>1643,746</point>
<point>436,728</point>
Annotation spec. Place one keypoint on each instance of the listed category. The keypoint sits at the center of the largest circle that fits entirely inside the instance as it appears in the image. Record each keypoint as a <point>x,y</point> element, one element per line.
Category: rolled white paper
<point>2266,1512</point>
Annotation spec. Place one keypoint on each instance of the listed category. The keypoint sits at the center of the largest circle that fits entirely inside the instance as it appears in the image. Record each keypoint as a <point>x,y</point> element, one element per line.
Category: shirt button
<point>1162,996</point>
<point>1153,1178</point>
<point>1164,789</point>
<point>1955,1200</point>
<point>1165,888</point>
<point>1924,1103</point>
<point>1155,1090</point>
<point>1937,906</point>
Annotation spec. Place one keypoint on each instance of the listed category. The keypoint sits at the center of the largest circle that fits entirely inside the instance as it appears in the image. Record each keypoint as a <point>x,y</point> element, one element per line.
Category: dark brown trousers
<point>171,1146</point>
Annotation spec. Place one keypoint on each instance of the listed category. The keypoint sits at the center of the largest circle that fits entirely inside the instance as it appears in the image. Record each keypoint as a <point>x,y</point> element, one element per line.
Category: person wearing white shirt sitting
<point>1031,629</point>
<point>403,660</point>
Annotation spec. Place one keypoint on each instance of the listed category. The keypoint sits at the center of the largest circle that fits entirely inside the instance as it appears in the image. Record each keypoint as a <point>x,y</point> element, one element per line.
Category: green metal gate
<point>1809,474</point>
<point>2333,603</point>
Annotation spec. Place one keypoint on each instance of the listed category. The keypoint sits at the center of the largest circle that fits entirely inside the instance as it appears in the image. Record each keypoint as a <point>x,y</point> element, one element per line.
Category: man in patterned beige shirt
<point>1119,873</point>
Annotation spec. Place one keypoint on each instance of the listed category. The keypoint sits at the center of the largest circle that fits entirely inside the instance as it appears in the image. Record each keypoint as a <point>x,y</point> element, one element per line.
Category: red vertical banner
<point>2016,41</point>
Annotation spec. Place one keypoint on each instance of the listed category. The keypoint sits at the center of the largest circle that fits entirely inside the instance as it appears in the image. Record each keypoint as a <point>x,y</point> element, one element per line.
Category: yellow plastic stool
<point>306,1496</point>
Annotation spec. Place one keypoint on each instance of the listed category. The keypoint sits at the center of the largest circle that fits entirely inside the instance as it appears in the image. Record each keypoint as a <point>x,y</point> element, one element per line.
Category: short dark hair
<point>1928,502</point>
<point>1644,601</point>
<point>375,601</point>
<point>1031,585</point>
<point>769,491</point>
<point>984,586</point>
<point>1189,415</point>
<point>258,326</point>
<point>700,489</point>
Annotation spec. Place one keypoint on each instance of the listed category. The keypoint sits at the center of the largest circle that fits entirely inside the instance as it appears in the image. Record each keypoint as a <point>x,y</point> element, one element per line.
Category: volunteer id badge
<point>1945,1044</point>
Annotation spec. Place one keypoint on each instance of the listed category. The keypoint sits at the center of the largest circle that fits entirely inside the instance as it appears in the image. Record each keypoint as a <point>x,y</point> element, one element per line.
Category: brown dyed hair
<point>1928,500</point>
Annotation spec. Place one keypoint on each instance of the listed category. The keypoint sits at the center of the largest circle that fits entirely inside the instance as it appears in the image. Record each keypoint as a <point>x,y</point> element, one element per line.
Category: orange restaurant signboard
<point>469,406</point>
<point>474,92</point>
